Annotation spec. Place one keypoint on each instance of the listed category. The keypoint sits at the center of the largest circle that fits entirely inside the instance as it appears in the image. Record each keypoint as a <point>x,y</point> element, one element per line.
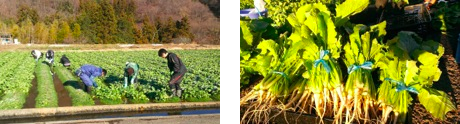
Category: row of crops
<point>17,72</point>
<point>320,63</point>
<point>201,83</point>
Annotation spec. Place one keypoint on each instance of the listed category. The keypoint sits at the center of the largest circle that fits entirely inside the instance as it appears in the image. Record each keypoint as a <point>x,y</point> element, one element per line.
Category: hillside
<point>203,23</point>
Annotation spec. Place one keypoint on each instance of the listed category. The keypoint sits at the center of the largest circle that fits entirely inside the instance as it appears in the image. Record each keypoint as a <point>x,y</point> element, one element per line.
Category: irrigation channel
<point>64,111</point>
<point>115,115</point>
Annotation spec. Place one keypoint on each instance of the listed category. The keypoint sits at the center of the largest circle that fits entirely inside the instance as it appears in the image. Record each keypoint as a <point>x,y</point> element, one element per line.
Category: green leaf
<point>246,36</point>
<point>349,8</point>
<point>436,102</point>
<point>408,41</point>
<point>411,72</point>
<point>380,29</point>
<point>427,58</point>
<point>300,14</point>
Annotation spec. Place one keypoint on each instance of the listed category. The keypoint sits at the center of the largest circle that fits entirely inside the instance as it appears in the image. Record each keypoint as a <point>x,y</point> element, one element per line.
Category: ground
<point>189,119</point>
<point>103,47</point>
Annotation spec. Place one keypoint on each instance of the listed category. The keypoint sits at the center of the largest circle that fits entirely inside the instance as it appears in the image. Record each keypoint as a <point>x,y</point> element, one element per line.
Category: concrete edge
<point>79,110</point>
<point>131,118</point>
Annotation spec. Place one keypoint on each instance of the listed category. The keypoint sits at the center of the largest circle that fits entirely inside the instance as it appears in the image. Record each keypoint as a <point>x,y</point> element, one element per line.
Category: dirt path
<point>63,96</point>
<point>30,100</point>
<point>449,83</point>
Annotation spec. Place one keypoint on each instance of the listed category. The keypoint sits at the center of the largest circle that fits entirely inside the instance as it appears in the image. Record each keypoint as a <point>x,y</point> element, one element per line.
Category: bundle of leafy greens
<point>410,66</point>
<point>362,53</point>
<point>315,26</point>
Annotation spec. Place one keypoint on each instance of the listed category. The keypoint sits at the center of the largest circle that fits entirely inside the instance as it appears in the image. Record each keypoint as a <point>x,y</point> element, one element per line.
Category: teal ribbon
<point>366,65</point>
<point>323,53</point>
<point>258,12</point>
<point>401,86</point>
<point>282,74</point>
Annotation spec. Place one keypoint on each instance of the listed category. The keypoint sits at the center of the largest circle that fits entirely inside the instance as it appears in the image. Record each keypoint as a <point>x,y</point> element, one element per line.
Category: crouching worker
<point>87,73</point>
<point>36,54</point>
<point>50,57</point>
<point>131,72</point>
<point>178,71</point>
<point>65,61</point>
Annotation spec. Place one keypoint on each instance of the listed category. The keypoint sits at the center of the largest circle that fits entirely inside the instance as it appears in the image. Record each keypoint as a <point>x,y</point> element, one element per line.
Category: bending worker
<point>131,72</point>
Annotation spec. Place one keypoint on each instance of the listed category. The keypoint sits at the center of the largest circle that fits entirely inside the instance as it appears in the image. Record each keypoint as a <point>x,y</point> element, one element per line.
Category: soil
<point>97,101</point>
<point>449,83</point>
<point>252,82</point>
<point>63,96</point>
<point>30,101</point>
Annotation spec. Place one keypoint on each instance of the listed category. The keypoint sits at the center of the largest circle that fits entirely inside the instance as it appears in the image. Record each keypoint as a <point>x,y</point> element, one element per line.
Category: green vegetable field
<point>201,82</point>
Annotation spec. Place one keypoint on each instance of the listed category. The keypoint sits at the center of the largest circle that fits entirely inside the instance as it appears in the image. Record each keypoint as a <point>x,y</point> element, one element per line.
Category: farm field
<point>20,74</point>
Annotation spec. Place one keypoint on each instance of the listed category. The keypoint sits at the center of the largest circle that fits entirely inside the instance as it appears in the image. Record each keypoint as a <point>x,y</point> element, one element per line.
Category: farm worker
<point>50,57</point>
<point>177,68</point>
<point>131,72</point>
<point>65,61</point>
<point>36,54</point>
<point>87,73</point>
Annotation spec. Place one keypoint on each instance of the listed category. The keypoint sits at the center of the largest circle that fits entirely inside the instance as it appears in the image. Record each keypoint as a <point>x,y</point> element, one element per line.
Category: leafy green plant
<point>410,66</point>
<point>362,54</point>
<point>154,74</point>
<point>251,33</point>
<point>47,96</point>
<point>15,90</point>
<point>315,26</point>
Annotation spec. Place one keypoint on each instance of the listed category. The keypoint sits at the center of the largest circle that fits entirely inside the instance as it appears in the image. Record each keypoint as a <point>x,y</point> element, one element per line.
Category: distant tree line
<point>95,21</point>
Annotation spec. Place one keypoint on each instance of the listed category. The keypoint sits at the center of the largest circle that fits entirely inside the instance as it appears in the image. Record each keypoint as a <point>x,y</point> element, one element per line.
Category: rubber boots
<point>179,93</point>
<point>174,93</point>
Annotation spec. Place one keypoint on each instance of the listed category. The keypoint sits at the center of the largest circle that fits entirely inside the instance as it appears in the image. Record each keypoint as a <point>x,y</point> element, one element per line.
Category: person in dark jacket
<point>87,73</point>
<point>65,61</point>
<point>177,68</point>
<point>36,54</point>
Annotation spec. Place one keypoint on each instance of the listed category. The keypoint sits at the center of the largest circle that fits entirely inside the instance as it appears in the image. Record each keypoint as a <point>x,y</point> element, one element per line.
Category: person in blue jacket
<point>87,73</point>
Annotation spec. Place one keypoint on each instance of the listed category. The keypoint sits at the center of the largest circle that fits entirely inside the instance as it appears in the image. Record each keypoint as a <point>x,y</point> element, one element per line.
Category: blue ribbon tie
<point>401,86</point>
<point>366,65</point>
<point>321,60</point>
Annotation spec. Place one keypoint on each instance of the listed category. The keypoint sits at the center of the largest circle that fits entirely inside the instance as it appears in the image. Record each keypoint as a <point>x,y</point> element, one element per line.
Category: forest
<point>111,21</point>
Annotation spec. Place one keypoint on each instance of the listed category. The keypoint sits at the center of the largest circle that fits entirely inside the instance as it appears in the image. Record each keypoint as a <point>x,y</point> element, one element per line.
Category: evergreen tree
<point>131,7</point>
<point>106,24</point>
<point>125,28</point>
<point>53,32</point>
<point>40,28</point>
<point>140,39</point>
<point>158,29</point>
<point>168,31</point>
<point>89,11</point>
<point>63,32</point>
<point>26,31</point>
<point>15,31</point>
<point>183,28</point>
<point>76,32</point>
<point>25,13</point>
<point>148,30</point>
